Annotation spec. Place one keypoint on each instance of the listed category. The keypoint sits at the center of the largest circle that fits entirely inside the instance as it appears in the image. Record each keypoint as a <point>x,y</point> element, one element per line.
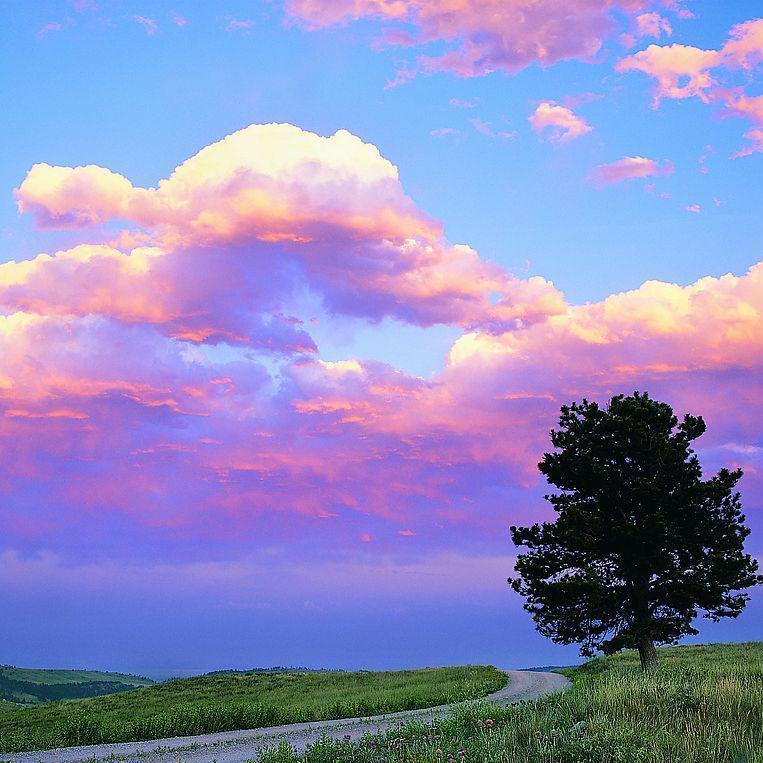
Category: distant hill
<point>277,669</point>
<point>29,686</point>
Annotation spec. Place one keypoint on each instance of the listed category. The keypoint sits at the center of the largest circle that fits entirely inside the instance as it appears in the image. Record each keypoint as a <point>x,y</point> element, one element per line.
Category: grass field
<point>29,686</point>
<point>237,701</point>
<point>703,705</point>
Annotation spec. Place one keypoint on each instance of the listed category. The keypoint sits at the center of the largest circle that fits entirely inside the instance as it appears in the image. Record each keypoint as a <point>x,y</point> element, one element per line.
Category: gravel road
<point>240,746</point>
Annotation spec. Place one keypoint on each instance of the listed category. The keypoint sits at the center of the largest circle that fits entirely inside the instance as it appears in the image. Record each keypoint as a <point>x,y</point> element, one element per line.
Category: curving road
<point>240,746</point>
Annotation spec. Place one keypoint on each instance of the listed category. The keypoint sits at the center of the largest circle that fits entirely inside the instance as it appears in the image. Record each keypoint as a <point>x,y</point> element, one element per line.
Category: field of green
<point>223,702</point>
<point>28,686</point>
<point>703,705</point>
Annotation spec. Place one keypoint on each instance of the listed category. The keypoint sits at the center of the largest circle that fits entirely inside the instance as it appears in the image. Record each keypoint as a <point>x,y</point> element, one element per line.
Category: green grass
<point>703,705</point>
<point>237,701</point>
<point>29,686</point>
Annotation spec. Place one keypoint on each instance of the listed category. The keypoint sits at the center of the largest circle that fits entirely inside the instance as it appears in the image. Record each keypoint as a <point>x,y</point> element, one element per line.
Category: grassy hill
<point>222,702</point>
<point>703,705</point>
<point>29,686</point>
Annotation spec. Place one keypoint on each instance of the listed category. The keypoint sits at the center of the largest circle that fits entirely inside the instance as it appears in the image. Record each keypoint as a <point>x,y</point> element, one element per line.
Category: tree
<point>641,542</point>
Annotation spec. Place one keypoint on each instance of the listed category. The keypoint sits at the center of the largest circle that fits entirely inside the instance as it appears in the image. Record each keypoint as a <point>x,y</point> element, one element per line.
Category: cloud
<point>628,168</point>
<point>646,25</point>
<point>441,132</point>
<point>740,105</point>
<point>683,71</point>
<point>485,36</point>
<point>661,334</point>
<point>199,296</point>
<point>148,24</point>
<point>486,128</point>
<point>121,417</point>
<point>46,29</point>
<point>563,123</point>
<point>326,212</point>
<point>238,25</point>
<point>744,48</point>
<point>652,25</point>
<point>458,103</point>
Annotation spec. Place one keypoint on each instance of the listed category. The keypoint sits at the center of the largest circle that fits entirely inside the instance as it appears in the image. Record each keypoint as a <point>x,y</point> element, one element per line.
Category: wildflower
<point>537,734</point>
<point>438,752</point>
<point>347,737</point>
<point>489,721</point>
<point>553,732</point>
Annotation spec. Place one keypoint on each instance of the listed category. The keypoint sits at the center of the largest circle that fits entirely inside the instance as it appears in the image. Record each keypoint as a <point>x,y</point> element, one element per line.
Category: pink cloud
<point>564,124</point>
<point>744,48</point>
<point>148,24</point>
<point>238,25</point>
<point>179,20</point>
<point>683,71</point>
<point>486,128</point>
<point>652,25</point>
<point>628,168</point>
<point>119,420</point>
<point>738,104</point>
<point>280,197</point>
<point>150,286</point>
<point>646,25</point>
<point>458,103</point>
<point>46,29</point>
<point>485,36</point>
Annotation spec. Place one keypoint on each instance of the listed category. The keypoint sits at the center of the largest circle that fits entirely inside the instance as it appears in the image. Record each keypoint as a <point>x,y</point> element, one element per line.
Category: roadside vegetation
<point>228,701</point>
<point>703,704</point>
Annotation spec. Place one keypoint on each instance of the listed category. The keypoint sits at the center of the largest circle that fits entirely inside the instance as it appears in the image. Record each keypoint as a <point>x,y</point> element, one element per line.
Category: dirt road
<point>240,746</point>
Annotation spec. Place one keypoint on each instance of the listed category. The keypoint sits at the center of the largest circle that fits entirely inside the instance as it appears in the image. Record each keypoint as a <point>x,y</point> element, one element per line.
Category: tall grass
<point>237,701</point>
<point>703,705</point>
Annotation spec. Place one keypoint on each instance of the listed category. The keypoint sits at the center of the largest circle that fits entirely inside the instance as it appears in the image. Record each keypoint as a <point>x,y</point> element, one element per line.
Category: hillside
<point>30,686</point>
<point>228,701</point>
<point>704,704</point>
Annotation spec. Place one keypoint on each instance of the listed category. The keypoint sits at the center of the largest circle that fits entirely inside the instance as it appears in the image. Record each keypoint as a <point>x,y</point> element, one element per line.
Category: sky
<point>292,291</point>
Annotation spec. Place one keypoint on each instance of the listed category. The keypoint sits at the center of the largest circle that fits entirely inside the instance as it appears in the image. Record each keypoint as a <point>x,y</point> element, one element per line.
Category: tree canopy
<point>641,542</point>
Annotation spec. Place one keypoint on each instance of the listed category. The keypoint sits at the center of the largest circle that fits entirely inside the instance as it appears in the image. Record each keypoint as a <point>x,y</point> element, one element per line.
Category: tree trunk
<point>647,653</point>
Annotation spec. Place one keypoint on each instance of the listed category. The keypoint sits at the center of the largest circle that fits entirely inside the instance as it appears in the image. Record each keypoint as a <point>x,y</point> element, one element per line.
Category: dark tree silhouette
<point>641,542</point>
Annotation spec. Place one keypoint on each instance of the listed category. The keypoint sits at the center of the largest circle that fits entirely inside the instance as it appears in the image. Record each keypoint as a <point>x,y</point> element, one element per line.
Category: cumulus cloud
<point>563,123</point>
<point>121,418</point>
<point>199,296</point>
<point>276,198</point>
<point>658,331</point>
<point>680,71</point>
<point>485,36</point>
<point>628,168</point>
